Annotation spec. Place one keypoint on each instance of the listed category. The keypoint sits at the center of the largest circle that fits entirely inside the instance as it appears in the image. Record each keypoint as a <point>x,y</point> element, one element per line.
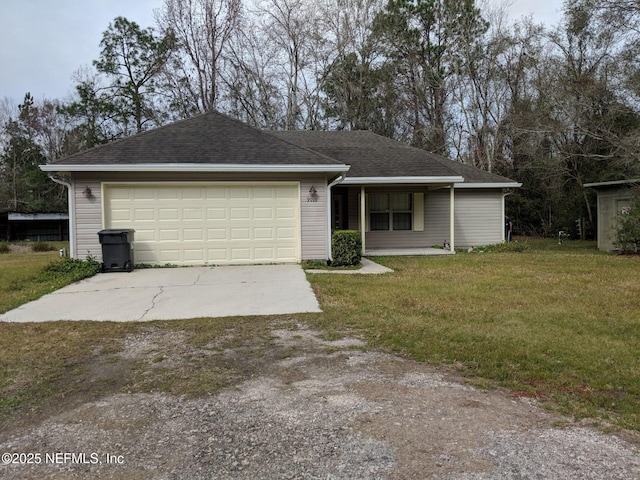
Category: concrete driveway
<point>176,293</point>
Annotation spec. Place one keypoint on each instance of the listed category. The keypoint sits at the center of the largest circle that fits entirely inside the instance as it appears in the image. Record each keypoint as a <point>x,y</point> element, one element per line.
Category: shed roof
<point>614,183</point>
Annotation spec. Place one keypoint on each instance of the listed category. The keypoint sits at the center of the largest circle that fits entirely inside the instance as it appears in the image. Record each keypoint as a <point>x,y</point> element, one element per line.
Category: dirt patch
<point>309,408</point>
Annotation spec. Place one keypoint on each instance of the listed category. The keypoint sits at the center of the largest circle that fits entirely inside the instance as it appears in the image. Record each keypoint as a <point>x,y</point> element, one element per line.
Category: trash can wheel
<point>128,266</point>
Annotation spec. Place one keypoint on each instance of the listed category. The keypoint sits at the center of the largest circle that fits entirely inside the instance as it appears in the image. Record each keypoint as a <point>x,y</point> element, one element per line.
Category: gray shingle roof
<point>215,139</point>
<point>371,155</point>
<point>209,138</point>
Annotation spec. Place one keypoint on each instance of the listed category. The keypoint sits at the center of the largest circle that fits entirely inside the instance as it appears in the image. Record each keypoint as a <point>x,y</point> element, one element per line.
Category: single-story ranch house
<point>212,190</point>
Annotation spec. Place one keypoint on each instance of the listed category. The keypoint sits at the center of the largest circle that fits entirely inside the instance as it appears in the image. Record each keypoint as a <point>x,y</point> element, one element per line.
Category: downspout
<point>338,180</point>
<point>504,213</point>
<point>363,218</point>
<point>72,211</point>
<point>452,218</point>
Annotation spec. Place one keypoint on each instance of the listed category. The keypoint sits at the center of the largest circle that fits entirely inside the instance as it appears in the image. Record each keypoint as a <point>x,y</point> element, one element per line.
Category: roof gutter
<point>72,216</point>
<point>197,167</point>
<point>402,180</point>
<point>489,185</point>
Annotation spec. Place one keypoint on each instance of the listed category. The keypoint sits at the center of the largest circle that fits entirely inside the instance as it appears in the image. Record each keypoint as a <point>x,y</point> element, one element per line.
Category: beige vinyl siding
<point>89,221</point>
<point>313,216</point>
<point>478,217</point>
<point>436,213</point>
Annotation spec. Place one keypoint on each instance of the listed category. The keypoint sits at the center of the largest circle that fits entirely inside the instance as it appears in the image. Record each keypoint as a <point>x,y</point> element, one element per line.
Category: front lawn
<point>26,275</point>
<point>557,323</point>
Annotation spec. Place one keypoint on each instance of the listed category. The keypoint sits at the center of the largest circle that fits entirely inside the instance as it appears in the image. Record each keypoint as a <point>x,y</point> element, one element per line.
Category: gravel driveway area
<point>325,410</point>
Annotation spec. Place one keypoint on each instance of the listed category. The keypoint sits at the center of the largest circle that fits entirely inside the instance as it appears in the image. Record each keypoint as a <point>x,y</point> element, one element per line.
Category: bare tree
<point>203,30</point>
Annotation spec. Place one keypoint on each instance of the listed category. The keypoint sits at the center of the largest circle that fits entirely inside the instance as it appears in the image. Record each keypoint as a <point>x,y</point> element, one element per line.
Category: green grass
<point>557,323</point>
<point>28,276</point>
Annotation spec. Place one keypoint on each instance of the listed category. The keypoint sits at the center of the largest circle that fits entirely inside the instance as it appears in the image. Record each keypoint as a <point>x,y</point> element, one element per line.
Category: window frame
<point>391,223</point>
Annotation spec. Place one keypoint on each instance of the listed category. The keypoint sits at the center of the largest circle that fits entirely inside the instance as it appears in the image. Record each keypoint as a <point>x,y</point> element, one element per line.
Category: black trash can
<point>117,250</point>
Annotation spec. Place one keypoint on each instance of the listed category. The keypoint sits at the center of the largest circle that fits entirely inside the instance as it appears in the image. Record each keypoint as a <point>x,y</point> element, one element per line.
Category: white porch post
<point>452,226</point>
<point>363,213</point>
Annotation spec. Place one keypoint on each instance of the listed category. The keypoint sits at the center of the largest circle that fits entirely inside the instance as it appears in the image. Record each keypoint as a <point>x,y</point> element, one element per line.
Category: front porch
<point>397,252</point>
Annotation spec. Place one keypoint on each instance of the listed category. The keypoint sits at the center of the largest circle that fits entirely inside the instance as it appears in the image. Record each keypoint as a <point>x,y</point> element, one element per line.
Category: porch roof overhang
<point>197,167</point>
<point>436,180</point>
<point>489,185</point>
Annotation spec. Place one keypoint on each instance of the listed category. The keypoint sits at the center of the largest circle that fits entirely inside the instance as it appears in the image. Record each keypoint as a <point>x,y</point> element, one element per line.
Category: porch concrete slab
<point>176,293</point>
<point>369,267</point>
<point>397,252</point>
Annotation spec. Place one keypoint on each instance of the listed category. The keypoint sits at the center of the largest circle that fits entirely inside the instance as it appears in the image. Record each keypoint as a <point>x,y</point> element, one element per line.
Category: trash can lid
<point>115,231</point>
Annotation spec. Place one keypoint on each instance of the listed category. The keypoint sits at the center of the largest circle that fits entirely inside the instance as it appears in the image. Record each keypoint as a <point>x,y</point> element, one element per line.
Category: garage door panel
<point>216,213</point>
<point>285,252</point>
<point>285,213</point>
<point>193,234</point>
<point>167,193</point>
<point>121,215</point>
<point>142,235</point>
<point>219,223</point>
<point>169,256</point>
<point>285,233</point>
<point>239,213</point>
<point>143,194</point>
<point>217,234</point>
<point>240,234</point>
<point>189,214</point>
<point>165,235</point>
<point>168,214</point>
<point>239,192</point>
<point>263,233</point>
<point>264,254</point>
<point>144,214</point>
<point>262,213</point>
<point>240,254</point>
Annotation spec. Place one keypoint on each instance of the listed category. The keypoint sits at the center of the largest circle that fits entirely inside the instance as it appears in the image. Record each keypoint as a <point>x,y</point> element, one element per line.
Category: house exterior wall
<point>89,210</point>
<point>478,218</point>
<point>610,203</point>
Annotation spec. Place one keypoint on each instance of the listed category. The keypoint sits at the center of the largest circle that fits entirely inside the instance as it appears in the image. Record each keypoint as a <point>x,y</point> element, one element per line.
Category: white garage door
<point>196,224</point>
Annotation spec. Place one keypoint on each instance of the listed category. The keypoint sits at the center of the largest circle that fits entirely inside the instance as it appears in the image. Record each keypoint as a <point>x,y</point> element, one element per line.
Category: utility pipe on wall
<point>72,216</point>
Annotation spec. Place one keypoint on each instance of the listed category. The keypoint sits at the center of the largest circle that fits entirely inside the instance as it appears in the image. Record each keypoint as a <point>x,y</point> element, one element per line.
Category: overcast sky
<point>43,42</point>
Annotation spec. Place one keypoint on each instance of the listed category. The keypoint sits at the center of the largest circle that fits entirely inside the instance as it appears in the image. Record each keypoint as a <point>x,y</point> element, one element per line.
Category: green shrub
<point>346,246</point>
<point>4,247</point>
<point>70,268</point>
<point>627,235</point>
<point>511,247</point>
<point>41,247</point>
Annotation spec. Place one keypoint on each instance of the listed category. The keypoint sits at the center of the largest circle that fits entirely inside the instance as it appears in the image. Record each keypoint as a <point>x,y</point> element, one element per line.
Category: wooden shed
<point>613,198</point>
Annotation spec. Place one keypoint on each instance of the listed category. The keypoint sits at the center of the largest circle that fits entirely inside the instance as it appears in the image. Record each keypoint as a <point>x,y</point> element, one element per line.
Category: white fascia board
<point>38,216</point>
<point>400,180</point>
<point>197,167</point>
<point>488,185</point>
<point>611,184</point>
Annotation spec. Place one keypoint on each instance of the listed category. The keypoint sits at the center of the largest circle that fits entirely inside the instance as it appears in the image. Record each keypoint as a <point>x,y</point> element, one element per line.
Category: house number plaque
<point>313,195</point>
